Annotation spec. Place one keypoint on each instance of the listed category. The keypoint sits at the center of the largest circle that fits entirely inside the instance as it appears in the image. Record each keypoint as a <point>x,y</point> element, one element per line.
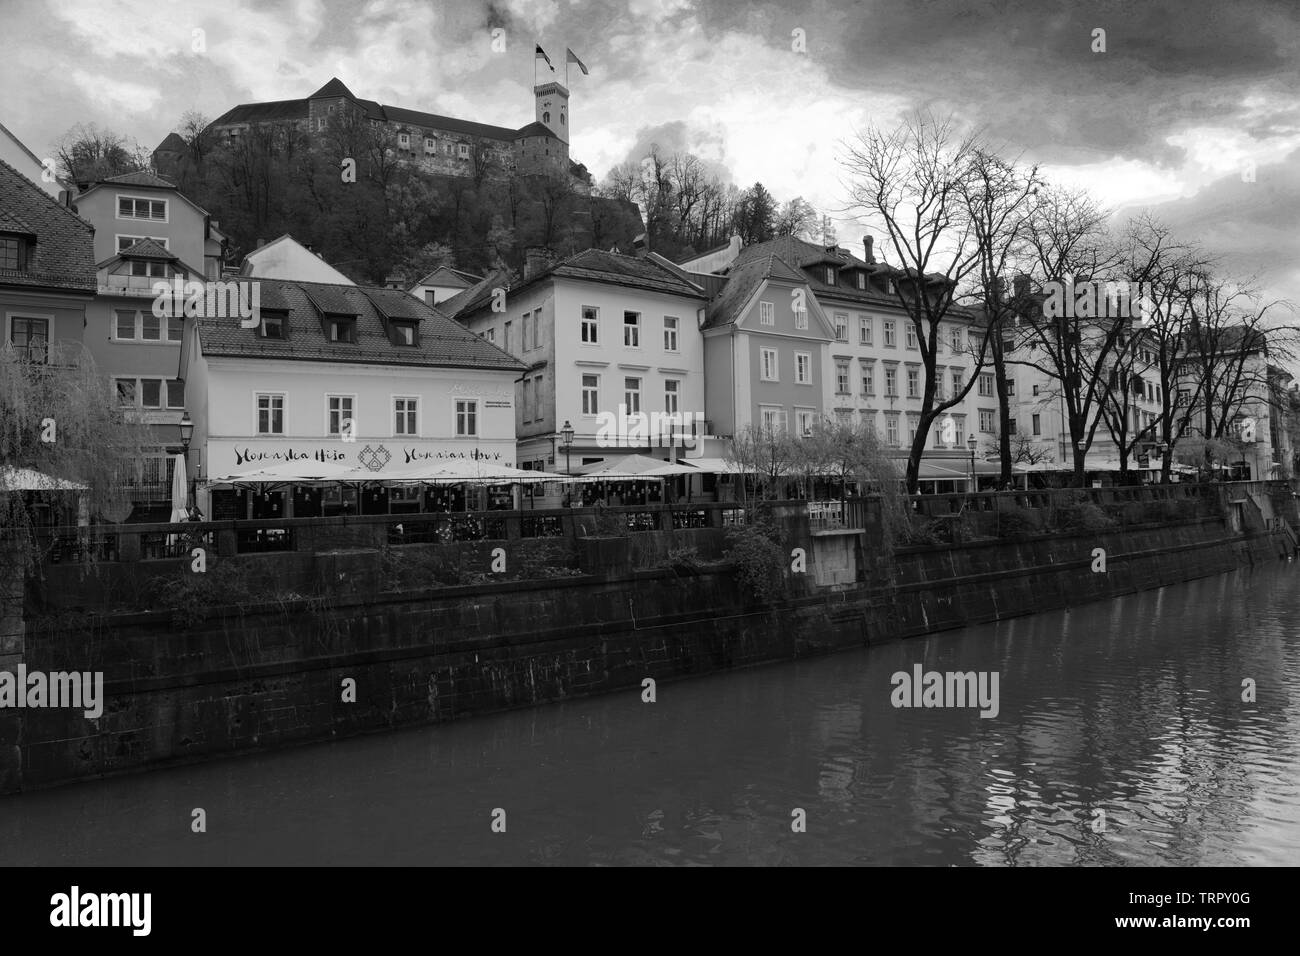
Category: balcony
<point>141,286</point>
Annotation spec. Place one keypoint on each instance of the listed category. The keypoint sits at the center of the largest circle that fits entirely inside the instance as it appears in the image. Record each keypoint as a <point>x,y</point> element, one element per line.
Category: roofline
<point>53,201</point>
<point>208,352</point>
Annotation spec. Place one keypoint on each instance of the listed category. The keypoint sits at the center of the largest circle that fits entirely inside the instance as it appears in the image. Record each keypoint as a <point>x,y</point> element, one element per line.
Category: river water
<point>1121,738</point>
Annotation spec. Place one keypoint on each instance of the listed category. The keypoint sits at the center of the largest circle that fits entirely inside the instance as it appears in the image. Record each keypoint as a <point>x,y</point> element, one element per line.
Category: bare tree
<point>88,153</point>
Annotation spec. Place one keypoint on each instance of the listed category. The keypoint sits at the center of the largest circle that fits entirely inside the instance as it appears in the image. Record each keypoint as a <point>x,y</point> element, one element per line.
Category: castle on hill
<point>440,144</point>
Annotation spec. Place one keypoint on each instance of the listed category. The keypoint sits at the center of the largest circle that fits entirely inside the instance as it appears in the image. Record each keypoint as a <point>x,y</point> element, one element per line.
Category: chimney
<point>536,260</point>
<point>867,243</point>
<point>1021,285</point>
<point>260,243</point>
<point>640,246</point>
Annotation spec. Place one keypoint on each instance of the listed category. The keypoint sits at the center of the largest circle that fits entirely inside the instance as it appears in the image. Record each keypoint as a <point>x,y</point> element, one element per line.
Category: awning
<point>306,469</point>
<point>954,469</point>
<point>631,468</point>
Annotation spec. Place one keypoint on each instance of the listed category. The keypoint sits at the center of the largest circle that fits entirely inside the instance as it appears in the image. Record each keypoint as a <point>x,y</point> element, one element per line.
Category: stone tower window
<point>546,117</point>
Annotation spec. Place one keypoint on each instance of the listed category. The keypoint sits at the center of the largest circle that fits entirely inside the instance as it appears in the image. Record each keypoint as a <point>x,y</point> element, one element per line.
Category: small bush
<point>191,597</point>
<point>683,559</point>
<point>756,552</point>
<point>1082,514</point>
<point>1015,522</point>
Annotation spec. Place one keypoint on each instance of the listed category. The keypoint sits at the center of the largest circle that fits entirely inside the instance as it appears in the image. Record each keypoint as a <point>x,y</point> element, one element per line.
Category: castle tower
<point>553,109</point>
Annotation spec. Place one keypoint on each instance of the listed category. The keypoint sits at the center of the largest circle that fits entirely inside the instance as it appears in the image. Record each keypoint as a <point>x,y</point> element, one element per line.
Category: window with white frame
<point>590,325</point>
<point>766,313</point>
<point>539,408</point>
<point>938,437</point>
<point>891,380</point>
<point>801,318</point>
<point>803,368</point>
<point>672,389</point>
<point>133,207</point>
<point>841,326</point>
<point>1036,425</point>
<point>958,381</point>
<point>466,417</point>
<point>270,413</point>
<point>124,242</point>
<point>148,269</point>
<point>842,377</point>
<point>913,383</point>
<point>986,420</point>
<point>986,384</point>
<point>938,384</point>
<point>891,340</point>
<point>868,377</point>
<point>670,333</point>
<point>864,330</point>
<point>911,335</point>
<point>590,394</point>
<point>406,420</point>
<point>338,410</point>
<point>830,275</point>
<point>527,331</point>
<point>632,329</point>
<point>772,417</point>
<point>1011,388</point>
<point>959,431</point>
<point>891,430</point>
<point>632,394</point>
<point>175,394</point>
<point>803,420</point>
<point>768,365</point>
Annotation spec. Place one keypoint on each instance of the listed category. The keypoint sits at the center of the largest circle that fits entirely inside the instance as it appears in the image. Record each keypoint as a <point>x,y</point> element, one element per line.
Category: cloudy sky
<point>1189,103</point>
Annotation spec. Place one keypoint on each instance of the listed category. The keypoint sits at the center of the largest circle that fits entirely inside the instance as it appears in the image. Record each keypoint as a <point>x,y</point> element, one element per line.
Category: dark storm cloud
<point>1025,68</point>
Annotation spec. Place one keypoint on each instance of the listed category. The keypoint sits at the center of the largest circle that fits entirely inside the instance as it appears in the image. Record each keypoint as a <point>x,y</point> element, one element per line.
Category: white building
<point>346,375</point>
<point>287,258</point>
<point>443,283</point>
<point>597,332</point>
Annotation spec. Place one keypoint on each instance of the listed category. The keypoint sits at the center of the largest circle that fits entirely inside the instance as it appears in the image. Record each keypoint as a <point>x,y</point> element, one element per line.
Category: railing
<point>694,518</point>
<point>159,545</point>
<point>541,526</point>
<point>260,540</point>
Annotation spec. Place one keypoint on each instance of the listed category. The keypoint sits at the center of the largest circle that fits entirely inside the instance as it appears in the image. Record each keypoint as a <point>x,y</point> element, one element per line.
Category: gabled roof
<point>172,143</point>
<point>591,265</point>
<point>151,250</point>
<point>275,111</point>
<point>140,178</point>
<point>447,276</point>
<point>441,342</point>
<point>535,129</point>
<point>62,256</point>
<point>749,272</point>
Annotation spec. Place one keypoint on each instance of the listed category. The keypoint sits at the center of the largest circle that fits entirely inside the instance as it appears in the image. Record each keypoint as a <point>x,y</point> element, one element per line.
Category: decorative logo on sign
<point>374,458</point>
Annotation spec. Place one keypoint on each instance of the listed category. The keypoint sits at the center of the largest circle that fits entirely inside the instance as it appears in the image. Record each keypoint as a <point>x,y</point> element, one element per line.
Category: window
<point>862,279</point>
<point>125,325</point>
<point>147,268</point>
<point>954,340</point>
<point>938,437</point>
<point>958,381</point>
<point>124,242</point>
<point>405,416</point>
<point>150,327</point>
<point>841,327</point>
<point>864,330</point>
<point>430,145</point>
<point>151,395</point>
<point>131,208</point>
<point>986,384</point>
<point>1011,426</point>
<point>891,430</point>
<point>270,414</point>
<point>890,339</point>
<point>175,328</point>
<point>464,150</point>
<point>272,326</point>
<point>492,336</point>
<point>590,324</point>
<point>830,275</point>
<point>590,394</point>
<point>12,256</point>
<point>342,330</point>
<point>670,396</point>
<point>1184,396</point>
<point>670,333</point>
<point>801,318</point>
<point>773,418</point>
<point>175,394</point>
<point>841,378</point>
<point>338,411</point>
<point>1035,389</point>
<point>913,383</point>
<point>891,380</point>
<point>404,140</point>
<point>1011,388</point>
<point>526,331</point>
<point>986,420</point>
<point>868,377</point>
<point>890,287</point>
<point>403,333</point>
<point>766,313</point>
<point>803,368</point>
<point>632,329</point>
<point>769,365</point>
<point>125,392</point>
<point>911,335</point>
<point>1036,429</point>
<point>632,395</point>
<point>466,418</point>
<point>803,420</point>
<point>539,409</point>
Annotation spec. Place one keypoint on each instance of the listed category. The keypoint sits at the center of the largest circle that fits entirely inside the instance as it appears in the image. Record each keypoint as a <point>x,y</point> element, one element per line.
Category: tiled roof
<point>447,276</point>
<point>335,87</point>
<point>147,249</point>
<point>746,275</point>
<point>276,111</point>
<point>141,177</point>
<point>534,129</point>
<point>476,296</point>
<point>63,255</point>
<point>442,342</point>
<point>397,114</point>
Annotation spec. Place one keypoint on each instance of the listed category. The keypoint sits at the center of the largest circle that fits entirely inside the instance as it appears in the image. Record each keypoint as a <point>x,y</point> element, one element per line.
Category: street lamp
<point>187,433</point>
<point>566,434</point>
<point>972,443</point>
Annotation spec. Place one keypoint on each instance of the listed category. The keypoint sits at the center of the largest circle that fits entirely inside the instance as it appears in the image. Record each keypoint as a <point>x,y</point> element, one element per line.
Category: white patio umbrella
<point>180,490</point>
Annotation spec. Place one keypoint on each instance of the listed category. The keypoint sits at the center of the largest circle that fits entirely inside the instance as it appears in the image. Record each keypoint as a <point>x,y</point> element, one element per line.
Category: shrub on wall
<point>755,550</point>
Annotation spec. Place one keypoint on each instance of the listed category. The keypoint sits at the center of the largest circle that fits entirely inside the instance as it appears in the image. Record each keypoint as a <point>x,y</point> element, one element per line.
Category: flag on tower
<point>573,58</point>
<point>541,54</point>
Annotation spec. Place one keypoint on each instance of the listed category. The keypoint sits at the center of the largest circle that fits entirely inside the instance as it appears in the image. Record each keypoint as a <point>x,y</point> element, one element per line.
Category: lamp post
<point>972,443</point>
<point>187,433</point>
<point>566,434</point>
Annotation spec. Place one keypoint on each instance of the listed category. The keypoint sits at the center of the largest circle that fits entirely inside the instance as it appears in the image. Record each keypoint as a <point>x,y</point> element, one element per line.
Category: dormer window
<point>272,326</point>
<point>862,280</point>
<point>402,333</point>
<point>148,269</point>
<point>830,275</point>
<point>342,329</point>
<point>13,253</point>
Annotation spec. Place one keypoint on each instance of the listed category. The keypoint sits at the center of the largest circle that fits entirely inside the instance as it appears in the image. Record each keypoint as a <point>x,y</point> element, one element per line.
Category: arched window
<point>546,117</point>
<point>561,119</point>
